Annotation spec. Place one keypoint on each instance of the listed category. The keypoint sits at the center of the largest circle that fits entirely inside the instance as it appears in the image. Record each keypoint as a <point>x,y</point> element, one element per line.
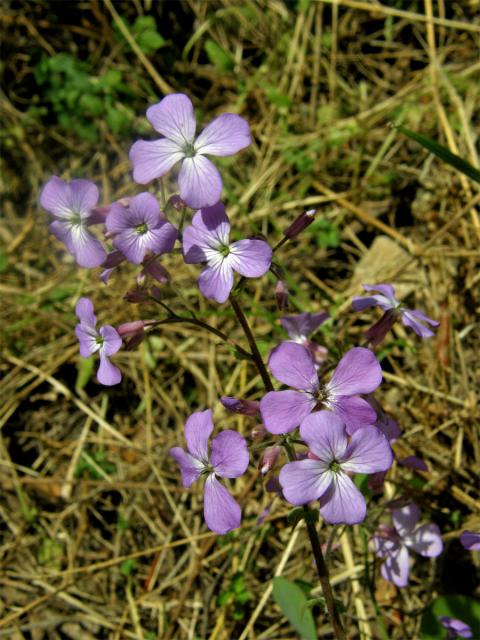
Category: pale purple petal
<point>304,480</point>
<point>426,540</point>
<point>405,519</point>
<point>84,312</point>
<point>210,230</point>
<point>198,430</point>
<point>343,502</point>
<point>84,196</point>
<point>190,467</point>
<point>456,627</point>
<point>324,432</point>
<point>412,319</point>
<point>283,411</point>
<point>108,374</point>
<point>304,324</point>
<point>293,365</point>
<point>368,452</point>
<point>153,159</point>
<point>174,118</point>
<point>359,303</point>
<point>357,372</point>
<point>397,567</point>
<point>200,182</point>
<point>354,411</point>
<point>112,340</point>
<point>55,198</point>
<point>250,258</point>
<point>62,230</point>
<point>216,281</point>
<point>88,339</point>
<point>385,289</point>
<point>470,540</point>
<point>385,545</point>
<point>229,456</point>
<point>87,250</point>
<point>224,136</point>
<point>221,511</point>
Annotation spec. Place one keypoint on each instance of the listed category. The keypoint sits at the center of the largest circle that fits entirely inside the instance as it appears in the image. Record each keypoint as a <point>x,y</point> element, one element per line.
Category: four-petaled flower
<point>71,203</point>
<point>199,181</point>
<point>357,372</point>
<point>300,327</point>
<point>228,459</point>
<point>324,475</point>
<point>140,227</point>
<point>207,240</point>
<point>387,301</point>
<point>105,340</point>
<point>456,628</point>
<point>393,543</point>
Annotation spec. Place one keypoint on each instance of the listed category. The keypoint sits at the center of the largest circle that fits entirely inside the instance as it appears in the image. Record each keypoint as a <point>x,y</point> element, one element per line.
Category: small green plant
<point>237,595</point>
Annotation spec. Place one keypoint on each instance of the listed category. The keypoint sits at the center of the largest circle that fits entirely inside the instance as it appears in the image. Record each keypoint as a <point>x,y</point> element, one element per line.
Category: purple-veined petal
<point>385,289</point>
<point>200,182</point>
<point>62,230</point>
<point>250,258</point>
<point>304,324</point>
<point>216,281</point>
<point>221,511</point>
<point>87,250</point>
<point>405,519</point>
<point>357,372</point>
<point>153,159</point>
<point>397,567</point>
<point>210,229</point>
<point>108,374</point>
<point>198,429</point>
<point>343,502</point>
<point>162,238</point>
<point>84,196</point>
<point>360,303</point>
<point>304,480</point>
<point>88,339</point>
<point>324,432</point>
<point>229,456</point>
<point>62,199</point>
<point>283,411</point>
<point>354,411</point>
<point>470,540</point>
<point>84,311</point>
<point>426,540</point>
<point>132,245</point>
<point>224,136</point>
<point>293,365</point>
<point>368,452</point>
<point>174,118</point>
<point>190,467</point>
<point>413,319</point>
<point>111,340</point>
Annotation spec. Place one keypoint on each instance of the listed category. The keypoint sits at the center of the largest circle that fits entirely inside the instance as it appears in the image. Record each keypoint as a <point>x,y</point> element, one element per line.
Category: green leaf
<point>293,603</point>
<point>127,566</point>
<point>460,607</point>
<point>85,368</point>
<point>443,153</point>
<point>220,58</point>
<point>150,41</point>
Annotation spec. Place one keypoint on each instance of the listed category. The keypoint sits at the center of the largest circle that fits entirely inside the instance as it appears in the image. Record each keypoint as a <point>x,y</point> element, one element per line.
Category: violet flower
<point>207,240</point>
<point>228,459</point>
<point>387,301</point>
<point>470,540</point>
<point>199,180</point>
<point>300,327</point>
<point>456,628</point>
<point>393,543</point>
<point>71,204</point>
<point>140,227</point>
<point>357,372</point>
<point>324,475</point>
<point>105,340</point>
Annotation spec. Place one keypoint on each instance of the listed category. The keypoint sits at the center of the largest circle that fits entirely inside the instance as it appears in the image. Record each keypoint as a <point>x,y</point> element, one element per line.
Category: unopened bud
<point>281,295</point>
<point>269,458</point>
<point>303,221</point>
<point>237,405</point>
<point>379,330</point>
<point>177,203</point>
<point>157,271</point>
<point>134,332</point>
<point>258,432</point>
<point>137,295</point>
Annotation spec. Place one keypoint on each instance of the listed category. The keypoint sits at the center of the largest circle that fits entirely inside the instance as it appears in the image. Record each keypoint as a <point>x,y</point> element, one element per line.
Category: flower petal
<point>354,411</point>
<point>112,340</point>
<point>293,365</point>
<point>174,118</point>
<point>224,136</point>
<point>405,519</point>
<point>357,372</point>
<point>108,374</point>
<point>210,229</point>
<point>200,182</point>
<point>397,567</point>
<point>426,540</point>
<point>216,281</point>
<point>250,258</point>
<point>368,452</point>
<point>84,312</point>
<point>470,540</point>
<point>62,198</point>
<point>324,432</point>
<point>153,159</point>
<point>386,290</point>
<point>84,196</point>
<point>221,511</point>
<point>87,337</point>
<point>198,429</point>
<point>190,467</point>
<point>343,502</point>
<point>304,324</point>
<point>282,411</point>
<point>87,250</point>
<point>304,480</point>
<point>229,456</point>
<point>412,319</point>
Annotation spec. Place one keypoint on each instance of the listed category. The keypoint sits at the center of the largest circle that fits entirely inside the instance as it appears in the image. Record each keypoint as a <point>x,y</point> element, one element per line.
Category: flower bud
<point>243,407</point>
<point>379,330</point>
<point>134,332</point>
<point>258,432</point>
<point>176,202</point>
<point>137,295</point>
<point>281,295</point>
<point>303,221</point>
<point>269,458</point>
<point>157,271</point>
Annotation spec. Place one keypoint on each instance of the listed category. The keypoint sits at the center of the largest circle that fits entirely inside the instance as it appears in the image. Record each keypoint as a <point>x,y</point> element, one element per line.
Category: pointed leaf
<point>293,603</point>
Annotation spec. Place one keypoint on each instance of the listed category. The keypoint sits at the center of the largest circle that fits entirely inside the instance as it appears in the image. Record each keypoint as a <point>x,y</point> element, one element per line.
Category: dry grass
<point>121,550</point>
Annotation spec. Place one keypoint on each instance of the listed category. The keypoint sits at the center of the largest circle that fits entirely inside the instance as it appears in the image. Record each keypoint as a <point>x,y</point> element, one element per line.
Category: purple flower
<point>324,475</point>
<point>140,227</point>
<point>199,181</point>
<point>357,372</point>
<point>470,540</point>
<point>106,341</point>
<point>456,628</point>
<point>228,459</point>
<point>300,327</point>
<point>393,543</point>
<point>387,301</point>
<point>71,204</point>
<point>207,240</point>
